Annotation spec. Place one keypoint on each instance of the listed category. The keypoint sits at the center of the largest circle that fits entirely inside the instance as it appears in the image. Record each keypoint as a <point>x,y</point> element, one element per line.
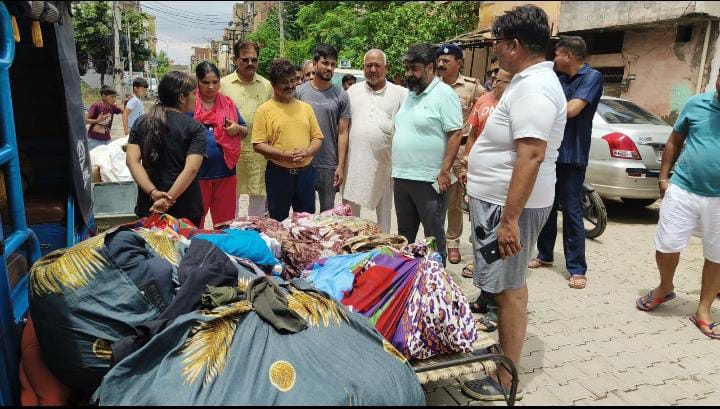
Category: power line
<point>160,4</point>
<point>186,18</point>
<point>185,24</point>
<point>187,14</point>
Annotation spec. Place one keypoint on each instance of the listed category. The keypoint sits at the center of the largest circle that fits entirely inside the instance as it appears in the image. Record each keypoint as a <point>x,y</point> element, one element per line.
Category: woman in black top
<point>165,151</point>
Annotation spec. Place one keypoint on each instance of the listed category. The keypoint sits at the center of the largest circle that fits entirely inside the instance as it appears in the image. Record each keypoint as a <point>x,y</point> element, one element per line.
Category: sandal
<point>485,324</point>
<point>711,325</point>
<point>577,282</point>
<point>488,389</point>
<point>467,271</point>
<point>537,263</point>
<point>653,302</point>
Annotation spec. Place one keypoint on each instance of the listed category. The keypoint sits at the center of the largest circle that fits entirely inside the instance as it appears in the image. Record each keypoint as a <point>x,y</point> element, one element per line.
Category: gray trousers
<point>324,187</point>
<point>417,202</point>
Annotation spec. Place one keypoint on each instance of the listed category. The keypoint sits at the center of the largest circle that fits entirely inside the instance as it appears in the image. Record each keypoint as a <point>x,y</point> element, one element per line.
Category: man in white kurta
<point>373,103</point>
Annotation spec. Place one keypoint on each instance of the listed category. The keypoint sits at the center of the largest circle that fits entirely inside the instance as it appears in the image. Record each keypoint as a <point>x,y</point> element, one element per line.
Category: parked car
<point>340,72</point>
<point>625,152</point>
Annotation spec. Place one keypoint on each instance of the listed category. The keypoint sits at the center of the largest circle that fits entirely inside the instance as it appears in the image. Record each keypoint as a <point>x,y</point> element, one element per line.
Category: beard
<point>414,84</point>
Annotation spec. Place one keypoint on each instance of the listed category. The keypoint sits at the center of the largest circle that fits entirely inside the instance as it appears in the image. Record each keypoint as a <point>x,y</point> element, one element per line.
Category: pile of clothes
<point>406,294</point>
<point>161,312</point>
<point>162,315</point>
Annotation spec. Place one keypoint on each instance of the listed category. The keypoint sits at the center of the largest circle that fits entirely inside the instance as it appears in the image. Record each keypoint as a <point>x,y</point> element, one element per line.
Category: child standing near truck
<point>100,117</point>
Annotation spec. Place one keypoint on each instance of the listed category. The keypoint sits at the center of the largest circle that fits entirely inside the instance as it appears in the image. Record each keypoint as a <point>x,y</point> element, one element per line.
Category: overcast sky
<point>182,25</point>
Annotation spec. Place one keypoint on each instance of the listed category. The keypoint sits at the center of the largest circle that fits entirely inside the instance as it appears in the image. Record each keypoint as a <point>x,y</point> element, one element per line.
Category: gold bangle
<point>662,180</point>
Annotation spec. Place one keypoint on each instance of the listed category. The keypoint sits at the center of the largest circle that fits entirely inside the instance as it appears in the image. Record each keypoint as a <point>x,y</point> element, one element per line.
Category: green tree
<point>354,27</point>
<point>163,63</point>
<point>92,23</point>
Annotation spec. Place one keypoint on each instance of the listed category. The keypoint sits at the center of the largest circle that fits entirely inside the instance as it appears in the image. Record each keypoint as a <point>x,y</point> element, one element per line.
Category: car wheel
<point>638,203</point>
<point>594,214</point>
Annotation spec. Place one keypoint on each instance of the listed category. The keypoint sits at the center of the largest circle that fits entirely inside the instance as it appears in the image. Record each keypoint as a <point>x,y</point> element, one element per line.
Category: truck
<point>44,158</point>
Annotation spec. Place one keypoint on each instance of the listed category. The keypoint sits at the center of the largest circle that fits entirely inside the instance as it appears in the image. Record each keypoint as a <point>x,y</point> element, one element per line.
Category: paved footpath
<point>592,346</point>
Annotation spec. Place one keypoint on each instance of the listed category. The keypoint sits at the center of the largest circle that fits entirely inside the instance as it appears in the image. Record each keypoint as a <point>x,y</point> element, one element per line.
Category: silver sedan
<point>625,152</point>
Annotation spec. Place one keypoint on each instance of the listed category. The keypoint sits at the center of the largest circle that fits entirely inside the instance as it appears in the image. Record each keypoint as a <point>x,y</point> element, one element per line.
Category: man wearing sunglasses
<point>248,90</point>
<point>511,178</point>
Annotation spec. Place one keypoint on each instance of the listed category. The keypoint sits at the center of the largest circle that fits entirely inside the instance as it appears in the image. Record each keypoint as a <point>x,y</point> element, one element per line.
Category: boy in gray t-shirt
<point>332,109</point>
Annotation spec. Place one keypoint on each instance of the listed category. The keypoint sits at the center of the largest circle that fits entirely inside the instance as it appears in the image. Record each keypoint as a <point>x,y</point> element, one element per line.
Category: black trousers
<point>418,202</point>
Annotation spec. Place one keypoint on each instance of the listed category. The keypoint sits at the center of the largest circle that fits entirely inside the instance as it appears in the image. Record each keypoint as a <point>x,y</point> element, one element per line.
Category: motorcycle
<point>593,209</point>
<point>594,212</point>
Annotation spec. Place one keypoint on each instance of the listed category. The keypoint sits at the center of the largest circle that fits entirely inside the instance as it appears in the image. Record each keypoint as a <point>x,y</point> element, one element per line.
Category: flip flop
<point>537,263</point>
<point>654,302</point>
<point>467,271</point>
<point>700,323</point>
<point>487,389</point>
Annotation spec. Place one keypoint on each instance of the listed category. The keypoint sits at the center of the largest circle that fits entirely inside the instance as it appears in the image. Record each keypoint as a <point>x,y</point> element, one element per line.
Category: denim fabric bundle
<point>84,298</point>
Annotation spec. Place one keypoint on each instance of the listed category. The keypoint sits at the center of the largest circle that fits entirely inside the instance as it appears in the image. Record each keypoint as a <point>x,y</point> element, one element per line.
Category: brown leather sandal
<point>577,282</point>
<point>537,263</point>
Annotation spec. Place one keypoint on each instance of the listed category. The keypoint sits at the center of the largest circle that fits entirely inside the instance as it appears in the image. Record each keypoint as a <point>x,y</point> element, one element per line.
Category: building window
<point>683,34</point>
<point>612,77</point>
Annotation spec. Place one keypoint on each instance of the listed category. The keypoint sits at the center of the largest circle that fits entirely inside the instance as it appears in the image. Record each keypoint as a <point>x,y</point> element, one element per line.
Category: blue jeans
<point>285,187</point>
<point>568,194</point>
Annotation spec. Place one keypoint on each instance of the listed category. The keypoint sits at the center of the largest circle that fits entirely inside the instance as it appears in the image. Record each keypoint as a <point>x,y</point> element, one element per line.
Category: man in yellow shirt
<point>248,90</point>
<point>287,134</point>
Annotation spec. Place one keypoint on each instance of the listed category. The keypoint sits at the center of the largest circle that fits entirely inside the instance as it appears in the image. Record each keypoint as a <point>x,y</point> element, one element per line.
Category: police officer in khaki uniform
<point>449,62</point>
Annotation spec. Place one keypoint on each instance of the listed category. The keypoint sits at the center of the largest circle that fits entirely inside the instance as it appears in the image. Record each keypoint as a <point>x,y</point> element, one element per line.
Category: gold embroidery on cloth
<point>162,244</point>
<point>208,343</point>
<point>282,375</point>
<point>313,308</point>
<point>101,349</point>
<point>69,268</point>
<point>390,349</point>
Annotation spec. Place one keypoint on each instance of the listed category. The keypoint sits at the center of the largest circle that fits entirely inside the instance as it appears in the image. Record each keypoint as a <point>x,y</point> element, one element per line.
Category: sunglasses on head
<point>246,60</point>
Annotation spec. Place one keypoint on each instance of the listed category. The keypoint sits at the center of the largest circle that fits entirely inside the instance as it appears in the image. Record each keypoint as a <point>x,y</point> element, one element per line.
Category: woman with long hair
<point>165,151</point>
<point>225,128</point>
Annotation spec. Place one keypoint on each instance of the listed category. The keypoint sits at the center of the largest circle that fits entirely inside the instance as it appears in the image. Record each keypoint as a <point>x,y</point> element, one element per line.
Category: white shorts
<point>680,213</point>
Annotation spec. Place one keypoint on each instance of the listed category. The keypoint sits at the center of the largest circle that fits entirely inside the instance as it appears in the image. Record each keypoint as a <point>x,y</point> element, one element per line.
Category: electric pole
<point>129,43</point>
<point>117,66</point>
<point>282,29</point>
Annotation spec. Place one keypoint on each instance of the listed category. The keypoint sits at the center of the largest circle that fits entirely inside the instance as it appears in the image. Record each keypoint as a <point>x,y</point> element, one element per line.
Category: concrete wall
<point>666,72</point>
<point>491,9</point>
<point>588,15</point>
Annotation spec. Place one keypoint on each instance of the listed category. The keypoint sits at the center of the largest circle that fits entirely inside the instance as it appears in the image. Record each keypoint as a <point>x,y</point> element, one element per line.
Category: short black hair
<point>107,90</point>
<point>298,67</point>
<point>280,68</point>
<point>574,44</point>
<point>242,44</point>
<point>140,83</point>
<point>422,53</point>
<point>528,24</point>
<point>325,51</point>
<point>348,78</point>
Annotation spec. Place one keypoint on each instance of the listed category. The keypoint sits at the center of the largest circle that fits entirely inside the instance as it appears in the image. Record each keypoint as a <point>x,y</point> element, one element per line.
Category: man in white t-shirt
<point>511,178</point>
<point>134,107</point>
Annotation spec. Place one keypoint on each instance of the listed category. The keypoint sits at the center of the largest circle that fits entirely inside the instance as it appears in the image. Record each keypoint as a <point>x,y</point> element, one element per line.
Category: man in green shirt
<point>428,133</point>
<point>690,197</point>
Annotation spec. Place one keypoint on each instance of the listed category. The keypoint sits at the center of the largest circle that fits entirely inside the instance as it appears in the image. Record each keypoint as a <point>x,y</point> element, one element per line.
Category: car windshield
<point>617,111</point>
